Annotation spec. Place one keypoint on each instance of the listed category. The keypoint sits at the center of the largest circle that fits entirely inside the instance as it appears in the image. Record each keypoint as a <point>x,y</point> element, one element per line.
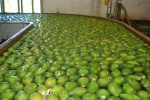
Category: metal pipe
<point>21,6</point>
<point>18,6</point>
<point>41,3</point>
<point>2,6</point>
<point>32,6</point>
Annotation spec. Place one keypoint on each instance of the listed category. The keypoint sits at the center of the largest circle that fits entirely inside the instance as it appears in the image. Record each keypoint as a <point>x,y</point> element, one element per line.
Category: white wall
<point>85,7</point>
<point>137,9</point>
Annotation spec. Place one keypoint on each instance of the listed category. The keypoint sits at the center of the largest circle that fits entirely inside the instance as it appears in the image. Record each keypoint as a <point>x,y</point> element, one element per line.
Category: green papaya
<point>114,89</point>
<point>115,73</point>
<point>83,71</point>
<point>103,94</point>
<point>57,89</point>
<point>135,77</point>
<point>71,71</point>
<point>59,73</point>
<point>104,73</point>
<point>138,69</point>
<point>83,81</point>
<point>93,77</point>
<point>126,71</point>
<point>63,94</point>
<point>95,69</point>
<point>145,83</point>
<point>134,84</point>
<point>74,98</point>
<point>148,89</point>
<point>78,91</point>
<point>128,89</point>
<point>92,86</point>
<point>74,77</point>
<point>113,98</point>
<point>51,97</point>
<point>89,96</point>
<point>129,97</point>
<point>119,80</point>
<point>143,94</point>
<point>70,85</point>
<point>103,82</point>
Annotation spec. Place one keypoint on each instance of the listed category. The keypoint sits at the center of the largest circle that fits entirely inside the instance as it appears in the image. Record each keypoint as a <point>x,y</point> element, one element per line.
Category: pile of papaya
<point>69,57</point>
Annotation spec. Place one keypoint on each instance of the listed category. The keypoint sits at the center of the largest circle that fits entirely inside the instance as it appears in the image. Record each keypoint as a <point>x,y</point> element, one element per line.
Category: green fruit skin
<point>52,82</point>
<point>83,81</point>
<point>16,86</point>
<point>74,98</point>
<point>7,95</point>
<point>51,97</point>
<point>21,95</point>
<point>92,86</point>
<point>135,77</point>
<point>148,89</point>
<point>95,69</point>
<point>83,72</point>
<point>89,96</point>
<point>103,94</point>
<point>129,97</point>
<point>145,83</point>
<point>92,77</point>
<point>62,80</point>
<point>56,89</point>
<point>134,84</point>
<point>63,94</point>
<point>128,89</point>
<point>113,98</point>
<point>103,82</point>
<point>143,94</point>
<point>4,86</point>
<point>114,89</point>
<point>30,88</point>
<point>28,78</point>
<point>74,77</point>
<point>42,88</point>
<point>119,80</point>
<point>78,91</point>
<point>104,73</point>
<point>71,71</point>
<point>115,73</point>
<point>70,85</point>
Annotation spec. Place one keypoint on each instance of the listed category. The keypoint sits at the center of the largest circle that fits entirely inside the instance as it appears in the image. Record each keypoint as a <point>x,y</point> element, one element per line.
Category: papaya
<point>89,96</point>
<point>119,80</point>
<point>83,81</point>
<point>70,85</point>
<point>143,94</point>
<point>78,91</point>
<point>129,97</point>
<point>134,84</point>
<point>113,98</point>
<point>63,94</point>
<point>128,89</point>
<point>103,94</point>
<point>92,86</point>
<point>103,82</point>
<point>74,98</point>
<point>115,73</point>
<point>114,89</point>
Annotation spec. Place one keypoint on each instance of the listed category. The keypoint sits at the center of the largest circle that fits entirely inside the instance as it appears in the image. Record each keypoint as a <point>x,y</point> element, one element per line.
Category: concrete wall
<point>137,9</point>
<point>85,7</point>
